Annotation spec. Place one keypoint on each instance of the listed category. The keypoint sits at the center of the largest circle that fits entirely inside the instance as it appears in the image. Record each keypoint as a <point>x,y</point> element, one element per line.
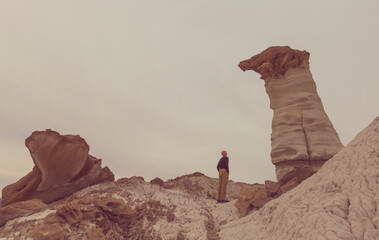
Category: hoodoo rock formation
<point>62,167</point>
<point>302,134</point>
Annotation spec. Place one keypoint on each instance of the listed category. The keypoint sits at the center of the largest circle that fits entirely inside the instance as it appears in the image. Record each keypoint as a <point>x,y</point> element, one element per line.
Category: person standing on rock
<point>223,176</point>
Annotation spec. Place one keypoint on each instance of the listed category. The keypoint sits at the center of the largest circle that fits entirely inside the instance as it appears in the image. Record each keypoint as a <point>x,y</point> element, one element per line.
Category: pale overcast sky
<point>154,86</point>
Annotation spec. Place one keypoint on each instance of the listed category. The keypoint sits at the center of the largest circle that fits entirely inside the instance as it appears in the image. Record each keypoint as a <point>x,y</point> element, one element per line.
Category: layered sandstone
<point>302,134</point>
<point>62,167</point>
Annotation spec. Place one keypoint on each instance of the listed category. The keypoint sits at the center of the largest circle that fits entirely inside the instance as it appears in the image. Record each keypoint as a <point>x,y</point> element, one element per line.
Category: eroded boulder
<point>62,167</point>
<point>302,134</point>
<point>254,197</point>
<point>251,198</point>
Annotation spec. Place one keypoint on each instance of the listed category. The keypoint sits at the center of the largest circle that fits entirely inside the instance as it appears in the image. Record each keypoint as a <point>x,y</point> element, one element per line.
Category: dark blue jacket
<point>223,163</point>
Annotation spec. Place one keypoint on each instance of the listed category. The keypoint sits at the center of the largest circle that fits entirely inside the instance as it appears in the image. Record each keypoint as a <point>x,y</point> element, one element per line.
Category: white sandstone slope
<point>340,201</point>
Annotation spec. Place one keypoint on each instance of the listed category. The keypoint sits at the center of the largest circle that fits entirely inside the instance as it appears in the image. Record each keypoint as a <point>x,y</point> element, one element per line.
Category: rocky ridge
<point>130,208</point>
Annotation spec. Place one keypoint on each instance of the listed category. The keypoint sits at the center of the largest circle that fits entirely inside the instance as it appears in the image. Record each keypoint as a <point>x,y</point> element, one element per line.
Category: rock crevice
<point>306,139</point>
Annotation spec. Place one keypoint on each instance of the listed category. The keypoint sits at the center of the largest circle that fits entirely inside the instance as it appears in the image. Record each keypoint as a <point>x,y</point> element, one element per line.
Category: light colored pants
<point>223,178</point>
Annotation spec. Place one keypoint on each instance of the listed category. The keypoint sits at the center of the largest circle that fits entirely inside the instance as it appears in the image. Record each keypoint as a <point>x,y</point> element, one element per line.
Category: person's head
<point>224,153</point>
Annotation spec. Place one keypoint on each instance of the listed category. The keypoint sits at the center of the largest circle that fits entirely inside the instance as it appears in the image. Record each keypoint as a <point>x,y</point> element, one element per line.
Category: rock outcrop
<point>20,209</point>
<point>252,198</point>
<point>197,184</point>
<point>340,201</point>
<point>130,208</point>
<point>302,134</point>
<point>62,167</point>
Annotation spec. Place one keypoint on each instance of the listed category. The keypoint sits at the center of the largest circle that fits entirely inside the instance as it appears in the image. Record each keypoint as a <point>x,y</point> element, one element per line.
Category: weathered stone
<point>294,178</point>
<point>243,207</point>
<point>254,197</point>
<point>180,236</point>
<point>19,209</point>
<point>96,234</point>
<point>22,189</point>
<point>251,198</point>
<point>210,228</point>
<point>116,210</point>
<point>272,188</point>
<point>157,181</point>
<point>48,232</point>
<point>62,167</point>
<point>302,134</point>
<point>72,212</point>
<point>170,217</point>
<point>275,61</point>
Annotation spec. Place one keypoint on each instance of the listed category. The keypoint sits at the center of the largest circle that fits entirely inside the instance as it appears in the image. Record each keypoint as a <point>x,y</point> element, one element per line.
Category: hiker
<point>223,176</point>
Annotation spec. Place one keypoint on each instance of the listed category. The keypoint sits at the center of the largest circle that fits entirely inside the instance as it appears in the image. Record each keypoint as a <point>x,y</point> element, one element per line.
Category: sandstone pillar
<point>302,134</point>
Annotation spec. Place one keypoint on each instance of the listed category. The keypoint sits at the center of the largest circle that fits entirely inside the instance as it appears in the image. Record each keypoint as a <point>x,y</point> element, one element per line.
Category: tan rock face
<point>302,134</point>
<point>293,178</point>
<point>59,158</point>
<point>62,166</point>
<point>47,232</point>
<point>252,198</point>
